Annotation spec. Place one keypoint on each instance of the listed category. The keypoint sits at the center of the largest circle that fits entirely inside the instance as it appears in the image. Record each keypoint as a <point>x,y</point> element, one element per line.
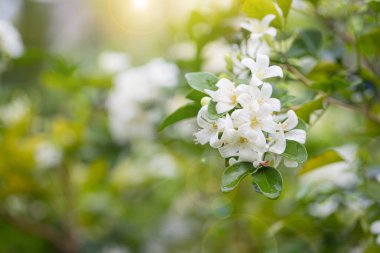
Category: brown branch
<point>334,101</point>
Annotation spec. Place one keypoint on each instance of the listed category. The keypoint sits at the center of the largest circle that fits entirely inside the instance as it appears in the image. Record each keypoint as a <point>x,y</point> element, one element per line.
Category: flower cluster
<point>251,126</point>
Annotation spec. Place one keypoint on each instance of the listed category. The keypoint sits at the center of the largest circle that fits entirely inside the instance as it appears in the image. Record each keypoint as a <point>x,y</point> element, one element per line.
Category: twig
<point>334,101</point>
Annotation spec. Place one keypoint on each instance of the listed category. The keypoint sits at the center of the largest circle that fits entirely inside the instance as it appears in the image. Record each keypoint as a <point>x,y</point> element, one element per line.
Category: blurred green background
<point>84,169</point>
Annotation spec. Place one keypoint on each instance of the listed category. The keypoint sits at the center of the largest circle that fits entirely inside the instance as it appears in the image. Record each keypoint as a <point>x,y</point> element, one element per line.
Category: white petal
<point>225,84</point>
<point>290,163</point>
<point>261,141</point>
<point>247,26</point>
<point>291,122</point>
<point>229,151</point>
<point>269,125</point>
<point>273,71</point>
<point>297,135</point>
<point>215,142</point>
<point>279,145</point>
<point>266,90</point>
<point>247,155</point>
<point>223,107</point>
<point>245,100</point>
<point>378,240</point>
<point>267,20</point>
<point>232,161</point>
<point>262,61</point>
<point>249,63</point>
<point>271,32</point>
<point>202,118</point>
<point>203,136</point>
<point>256,81</point>
<point>275,104</point>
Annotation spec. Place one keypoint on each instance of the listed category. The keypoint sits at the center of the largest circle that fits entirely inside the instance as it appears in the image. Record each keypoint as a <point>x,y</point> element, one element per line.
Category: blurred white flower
<point>209,129</point>
<point>184,51</point>
<point>113,62</point>
<point>115,249</point>
<point>324,208</point>
<point>375,229</point>
<point>10,9</point>
<point>259,28</point>
<point>133,89</point>
<point>10,40</point>
<point>340,174</point>
<point>214,54</point>
<point>15,111</point>
<point>47,155</point>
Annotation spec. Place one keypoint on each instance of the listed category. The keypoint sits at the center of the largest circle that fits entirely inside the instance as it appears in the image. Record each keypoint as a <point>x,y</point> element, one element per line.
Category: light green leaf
<point>295,151</point>
<point>285,6</point>
<point>307,42</point>
<point>211,111</point>
<point>185,112</point>
<point>305,110</point>
<point>268,181</point>
<point>195,96</point>
<point>327,157</point>
<point>202,81</point>
<point>234,174</point>
<point>260,8</point>
<point>301,125</point>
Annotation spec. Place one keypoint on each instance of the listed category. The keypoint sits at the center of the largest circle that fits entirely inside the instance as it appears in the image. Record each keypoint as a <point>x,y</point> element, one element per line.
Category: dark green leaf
<point>234,174</point>
<point>328,157</point>
<point>185,112</point>
<point>195,96</point>
<point>295,151</point>
<point>202,81</point>
<point>369,43</point>
<point>268,181</point>
<point>307,42</point>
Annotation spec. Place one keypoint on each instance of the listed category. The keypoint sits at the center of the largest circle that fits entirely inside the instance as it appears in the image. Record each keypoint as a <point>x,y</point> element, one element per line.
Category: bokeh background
<point>84,169</point>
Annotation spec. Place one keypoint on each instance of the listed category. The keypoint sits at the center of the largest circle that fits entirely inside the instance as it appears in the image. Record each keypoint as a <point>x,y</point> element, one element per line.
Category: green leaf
<point>195,96</point>
<point>268,181</point>
<point>201,81</point>
<point>260,8</point>
<point>234,174</point>
<point>285,6</point>
<point>369,43</point>
<point>295,151</point>
<point>327,157</point>
<point>301,125</point>
<point>185,112</point>
<point>305,110</point>
<point>307,42</point>
<point>211,111</point>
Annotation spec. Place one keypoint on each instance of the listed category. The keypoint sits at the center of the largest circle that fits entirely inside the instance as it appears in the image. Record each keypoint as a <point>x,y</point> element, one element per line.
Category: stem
<point>333,101</point>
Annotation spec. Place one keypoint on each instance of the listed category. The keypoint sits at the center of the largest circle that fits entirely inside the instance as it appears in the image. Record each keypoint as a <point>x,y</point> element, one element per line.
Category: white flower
<point>254,117</point>
<point>254,46</point>
<point>209,129</point>
<point>259,28</point>
<point>241,143</point>
<point>262,96</point>
<point>113,62</point>
<point>375,229</point>
<point>260,69</point>
<point>225,96</point>
<point>47,155</point>
<point>162,73</point>
<point>10,40</point>
<point>15,111</point>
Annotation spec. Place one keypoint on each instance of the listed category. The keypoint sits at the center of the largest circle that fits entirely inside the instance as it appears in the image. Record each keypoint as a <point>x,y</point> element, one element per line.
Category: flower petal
<point>249,63</point>
<point>265,22</point>
<point>262,61</point>
<point>203,136</point>
<point>297,135</point>
<point>266,90</point>
<point>273,71</point>
<point>271,32</point>
<point>291,122</point>
<point>222,107</point>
